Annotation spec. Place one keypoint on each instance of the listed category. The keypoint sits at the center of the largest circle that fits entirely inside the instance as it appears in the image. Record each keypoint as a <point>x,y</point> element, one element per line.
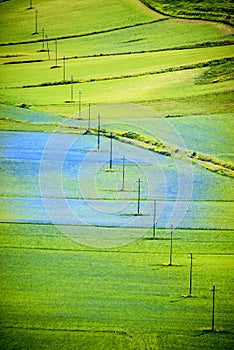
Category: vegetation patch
<point>217,11</point>
<point>219,73</point>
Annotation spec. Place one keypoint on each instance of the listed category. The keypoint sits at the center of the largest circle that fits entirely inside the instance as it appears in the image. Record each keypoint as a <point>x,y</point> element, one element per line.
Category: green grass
<point>155,36</point>
<point>179,84</point>
<point>191,129</point>
<point>222,72</point>
<point>49,16</point>
<point>113,66</point>
<point>55,283</point>
<point>56,293</point>
<point>146,37</point>
<point>198,105</point>
<point>218,11</point>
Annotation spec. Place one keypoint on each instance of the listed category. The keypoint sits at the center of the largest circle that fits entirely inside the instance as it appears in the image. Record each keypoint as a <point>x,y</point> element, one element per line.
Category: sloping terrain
<point>81,268</point>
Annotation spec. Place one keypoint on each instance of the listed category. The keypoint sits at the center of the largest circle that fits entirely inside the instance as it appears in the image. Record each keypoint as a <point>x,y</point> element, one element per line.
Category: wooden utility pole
<point>111,149</point>
<point>56,53</point>
<point>36,21</point>
<point>43,39</point>
<point>72,95</point>
<point>170,263</point>
<point>80,93</point>
<point>89,120</point>
<point>213,308</point>
<point>191,274</point>
<point>47,45</point>
<point>154,220</point>
<point>99,127</point>
<point>64,68</point>
<point>123,174</point>
<point>139,196</point>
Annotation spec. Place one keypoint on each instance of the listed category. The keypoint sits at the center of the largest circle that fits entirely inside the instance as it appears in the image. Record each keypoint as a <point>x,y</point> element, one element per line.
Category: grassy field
<point>104,283</point>
<point>195,9</point>
<point>126,298</point>
<point>49,16</point>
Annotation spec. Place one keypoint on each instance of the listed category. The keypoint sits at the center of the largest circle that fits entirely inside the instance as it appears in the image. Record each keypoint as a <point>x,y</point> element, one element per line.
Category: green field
<point>195,9</point>
<point>56,293</point>
<point>167,75</point>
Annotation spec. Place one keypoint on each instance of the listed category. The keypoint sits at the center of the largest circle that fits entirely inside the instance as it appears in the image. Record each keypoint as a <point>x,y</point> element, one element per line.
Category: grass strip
<point>72,36</point>
<point>210,63</point>
<point>175,48</point>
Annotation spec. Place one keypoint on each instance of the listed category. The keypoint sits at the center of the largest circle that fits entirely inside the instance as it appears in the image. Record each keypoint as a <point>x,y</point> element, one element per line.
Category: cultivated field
<point>89,259</point>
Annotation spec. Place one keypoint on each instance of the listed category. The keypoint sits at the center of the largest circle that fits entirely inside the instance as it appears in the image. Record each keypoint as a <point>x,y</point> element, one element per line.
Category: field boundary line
<point>118,332</point>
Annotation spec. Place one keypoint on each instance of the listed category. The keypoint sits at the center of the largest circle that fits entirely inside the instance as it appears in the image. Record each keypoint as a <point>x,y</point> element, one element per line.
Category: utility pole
<point>43,39</point>
<point>99,127</point>
<point>89,115</point>
<point>72,88</point>
<point>191,274</point>
<point>64,68</point>
<point>111,149</point>
<point>170,263</point>
<point>56,53</point>
<point>36,21</point>
<point>139,196</point>
<point>30,5</point>
<point>80,93</point>
<point>123,174</point>
<point>47,45</point>
<point>154,220</point>
<point>213,308</point>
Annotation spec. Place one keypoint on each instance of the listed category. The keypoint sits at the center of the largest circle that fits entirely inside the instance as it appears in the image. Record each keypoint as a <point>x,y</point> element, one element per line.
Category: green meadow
<point>58,294</point>
<point>164,72</point>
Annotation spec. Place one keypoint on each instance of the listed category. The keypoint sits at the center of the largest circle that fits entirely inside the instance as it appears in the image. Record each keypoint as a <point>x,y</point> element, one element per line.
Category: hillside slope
<point>216,11</point>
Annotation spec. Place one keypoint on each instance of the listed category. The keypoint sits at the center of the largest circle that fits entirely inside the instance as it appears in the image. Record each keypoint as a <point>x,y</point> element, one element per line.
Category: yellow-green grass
<point>219,11</point>
<point>112,66</point>
<point>162,86</point>
<point>79,17</point>
<point>61,293</point>
<point>201,104</point>
<point>166,34</point>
